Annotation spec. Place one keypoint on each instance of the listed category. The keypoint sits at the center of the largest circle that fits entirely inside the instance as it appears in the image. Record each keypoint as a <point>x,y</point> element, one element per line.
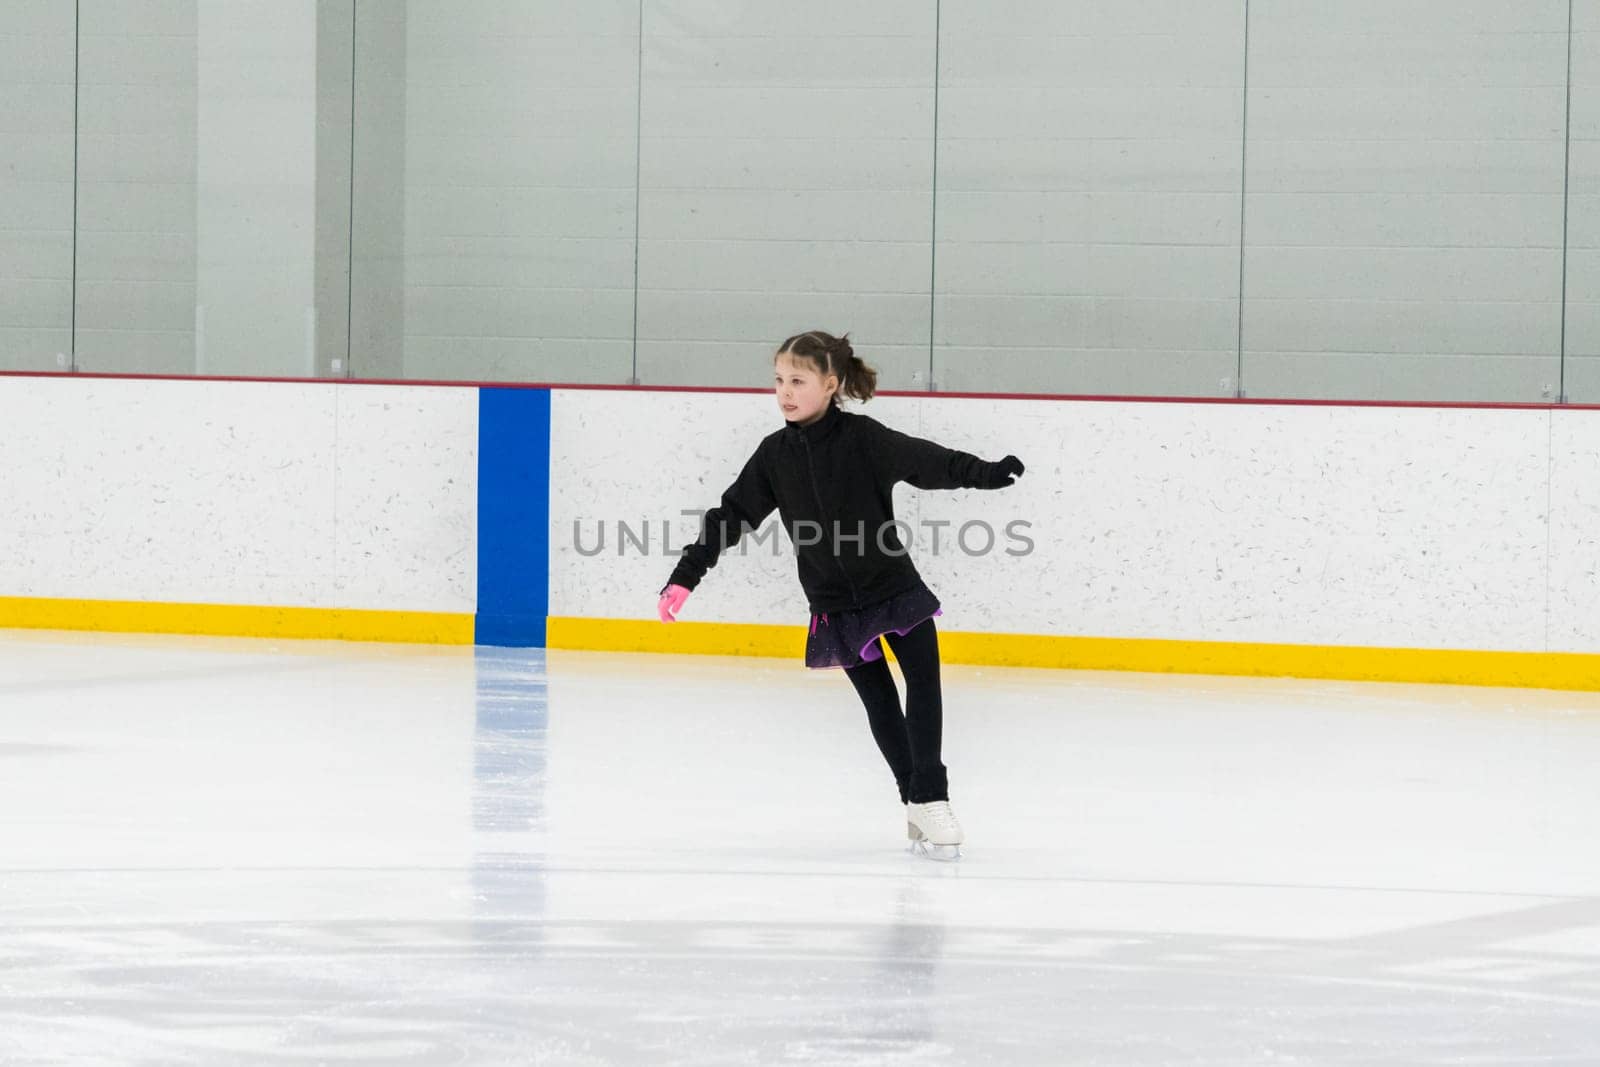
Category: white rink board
<point>643,458</point>
<point>1384,527</point>
<point>278,494</point>
<point>1367,526</point>
<point>1574,581</point>
<point>408,498</point>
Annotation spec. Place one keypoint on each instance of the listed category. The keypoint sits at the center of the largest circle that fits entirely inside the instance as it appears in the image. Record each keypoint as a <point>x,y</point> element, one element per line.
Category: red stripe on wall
<point>1076,397</point>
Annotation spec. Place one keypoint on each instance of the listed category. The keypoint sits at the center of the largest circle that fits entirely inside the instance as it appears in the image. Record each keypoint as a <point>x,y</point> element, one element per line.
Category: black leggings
<point>909,741</point>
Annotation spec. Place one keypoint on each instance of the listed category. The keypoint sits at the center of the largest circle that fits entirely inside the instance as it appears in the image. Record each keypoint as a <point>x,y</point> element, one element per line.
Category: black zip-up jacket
<point>836,474</point>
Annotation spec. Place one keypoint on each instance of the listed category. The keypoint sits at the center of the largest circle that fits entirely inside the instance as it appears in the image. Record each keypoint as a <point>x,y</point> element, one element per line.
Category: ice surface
<point>217,851</point>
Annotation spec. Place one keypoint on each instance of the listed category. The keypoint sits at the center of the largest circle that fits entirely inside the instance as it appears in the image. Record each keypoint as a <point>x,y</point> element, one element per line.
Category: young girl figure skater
<point>830,475</point>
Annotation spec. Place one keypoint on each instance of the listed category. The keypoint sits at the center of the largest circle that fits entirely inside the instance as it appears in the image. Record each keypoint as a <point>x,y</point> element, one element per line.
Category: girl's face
<point>803,393</point>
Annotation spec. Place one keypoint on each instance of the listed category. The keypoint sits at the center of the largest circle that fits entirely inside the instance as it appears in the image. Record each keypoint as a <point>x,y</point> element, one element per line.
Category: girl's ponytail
<point>857,380</point>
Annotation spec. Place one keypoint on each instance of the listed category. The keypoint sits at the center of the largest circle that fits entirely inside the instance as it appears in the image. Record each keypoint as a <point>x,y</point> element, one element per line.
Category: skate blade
<point>921,846</point>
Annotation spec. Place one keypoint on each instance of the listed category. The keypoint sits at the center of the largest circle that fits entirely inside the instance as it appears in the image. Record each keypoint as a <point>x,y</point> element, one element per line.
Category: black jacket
<point>835,475</point>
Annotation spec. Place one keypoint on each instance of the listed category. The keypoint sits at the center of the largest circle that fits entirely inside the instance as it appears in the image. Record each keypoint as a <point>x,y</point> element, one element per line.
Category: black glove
<point>1000,474</point>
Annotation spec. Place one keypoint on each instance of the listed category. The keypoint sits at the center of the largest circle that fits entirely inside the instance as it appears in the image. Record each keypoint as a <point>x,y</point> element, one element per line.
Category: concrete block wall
<point>1363,200</point>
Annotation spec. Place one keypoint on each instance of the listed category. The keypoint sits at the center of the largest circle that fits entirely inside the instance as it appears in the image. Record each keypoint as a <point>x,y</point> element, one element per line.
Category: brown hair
<point>833,355</point>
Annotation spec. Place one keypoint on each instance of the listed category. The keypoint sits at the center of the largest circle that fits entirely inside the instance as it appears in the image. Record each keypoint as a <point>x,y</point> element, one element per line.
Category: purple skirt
<point>850,638</point>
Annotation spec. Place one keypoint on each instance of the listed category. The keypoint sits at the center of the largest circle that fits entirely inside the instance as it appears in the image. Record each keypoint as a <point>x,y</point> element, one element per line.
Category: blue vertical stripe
<point>513,516</point>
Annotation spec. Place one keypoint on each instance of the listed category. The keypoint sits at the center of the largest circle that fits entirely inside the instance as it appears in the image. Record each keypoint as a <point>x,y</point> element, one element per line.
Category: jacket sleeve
<point>924,463</point>
<point>746,503</point>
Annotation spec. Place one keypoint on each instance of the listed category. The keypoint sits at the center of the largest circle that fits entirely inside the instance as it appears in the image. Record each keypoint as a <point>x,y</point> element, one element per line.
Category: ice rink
<point>225,851</point>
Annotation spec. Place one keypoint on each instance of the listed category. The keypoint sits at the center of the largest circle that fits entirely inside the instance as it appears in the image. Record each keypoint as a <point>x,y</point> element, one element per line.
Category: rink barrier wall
<point>1446,543</point>
<point>281,509</point>
<point>1513,481</point>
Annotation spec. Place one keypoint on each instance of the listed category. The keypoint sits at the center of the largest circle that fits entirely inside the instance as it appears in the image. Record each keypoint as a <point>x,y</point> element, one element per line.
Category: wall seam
<point>77,50</point>
<point>933,229</point>
<point>1244,144</point>
<point>638,171</point>
<point>350,246</point>
<point>1566,206</point>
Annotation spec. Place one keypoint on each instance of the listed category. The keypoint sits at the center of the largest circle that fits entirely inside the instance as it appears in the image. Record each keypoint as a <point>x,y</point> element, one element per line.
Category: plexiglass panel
<point>1354,201</point>
<point>37,57</point>
<point>495,171</point>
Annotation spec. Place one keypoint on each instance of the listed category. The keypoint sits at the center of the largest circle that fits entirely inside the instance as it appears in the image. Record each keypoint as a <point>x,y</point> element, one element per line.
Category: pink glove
<point>672,598</point>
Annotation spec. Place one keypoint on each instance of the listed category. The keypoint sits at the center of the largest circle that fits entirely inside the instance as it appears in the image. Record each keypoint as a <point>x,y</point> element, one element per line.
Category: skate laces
<point>938,811</point>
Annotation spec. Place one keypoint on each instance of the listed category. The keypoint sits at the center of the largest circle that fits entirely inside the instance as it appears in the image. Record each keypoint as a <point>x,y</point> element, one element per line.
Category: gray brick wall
<point>773,166</point>
<point>786,183</point>
<point>1403,211</point>
<point>378,230</point>
<point>137,151</point>
<point>1583,209</point>
<point>36,93</point>
<point>520,121</point>
<point>1088,226</point>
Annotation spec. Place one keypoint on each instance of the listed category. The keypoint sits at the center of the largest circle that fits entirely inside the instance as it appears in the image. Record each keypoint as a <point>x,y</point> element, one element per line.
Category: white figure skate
<point>933,830</point>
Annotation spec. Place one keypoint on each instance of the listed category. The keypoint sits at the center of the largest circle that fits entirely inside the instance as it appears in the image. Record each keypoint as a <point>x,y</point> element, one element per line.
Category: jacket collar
<point>830,421</point>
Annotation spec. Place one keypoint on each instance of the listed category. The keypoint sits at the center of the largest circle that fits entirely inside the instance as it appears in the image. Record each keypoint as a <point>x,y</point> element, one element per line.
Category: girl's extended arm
<point>928,465</point>
<point>747,502</point>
